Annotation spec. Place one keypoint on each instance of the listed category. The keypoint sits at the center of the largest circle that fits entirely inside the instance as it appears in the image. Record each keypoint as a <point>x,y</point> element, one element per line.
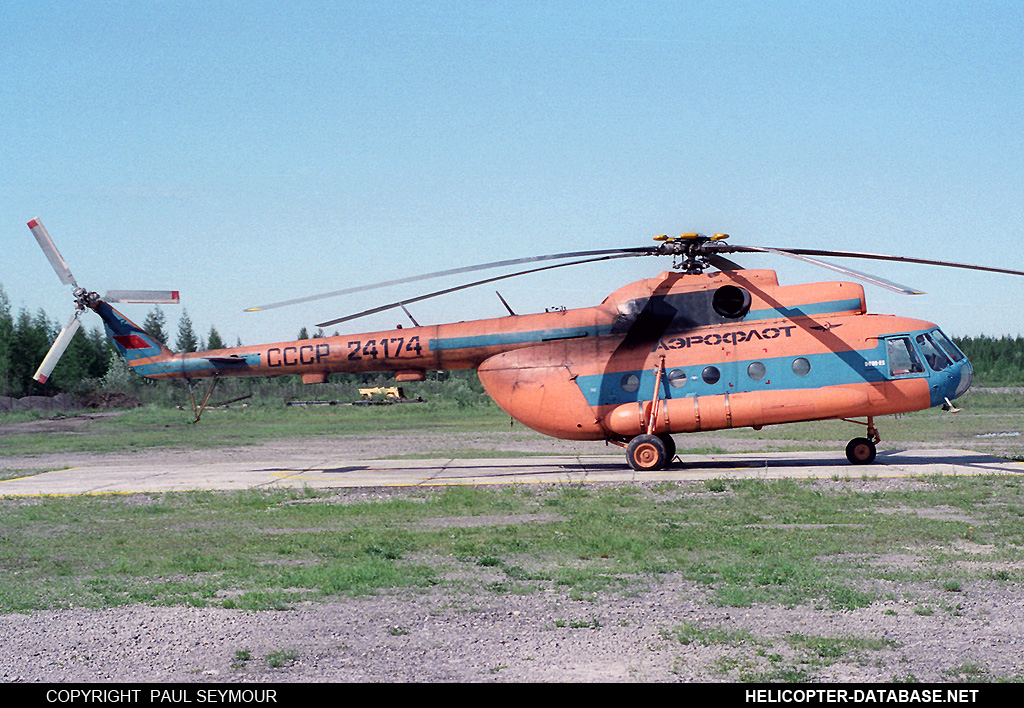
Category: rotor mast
<point>688,250</point>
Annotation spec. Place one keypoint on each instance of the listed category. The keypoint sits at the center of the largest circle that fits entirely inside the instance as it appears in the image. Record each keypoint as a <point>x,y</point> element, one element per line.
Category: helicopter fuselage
<point>671,354</point>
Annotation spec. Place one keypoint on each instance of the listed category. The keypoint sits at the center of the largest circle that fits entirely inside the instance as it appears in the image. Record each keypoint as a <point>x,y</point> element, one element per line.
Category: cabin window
<point>676,378</point>
<point>756,371</point>
<point>936,359</point>
<point>630,383</point>
<point>711,375</point>
<point>801,367</point>
<point>903,359</point>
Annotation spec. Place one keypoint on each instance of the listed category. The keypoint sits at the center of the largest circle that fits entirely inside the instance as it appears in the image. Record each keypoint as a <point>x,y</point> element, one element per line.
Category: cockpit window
<point>935,357</point>
<point>947,346</point>
<point>903,360</point>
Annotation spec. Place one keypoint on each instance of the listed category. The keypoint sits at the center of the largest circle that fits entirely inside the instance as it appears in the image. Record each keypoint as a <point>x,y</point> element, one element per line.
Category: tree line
<point>996,361</point>
<point>25,338</point>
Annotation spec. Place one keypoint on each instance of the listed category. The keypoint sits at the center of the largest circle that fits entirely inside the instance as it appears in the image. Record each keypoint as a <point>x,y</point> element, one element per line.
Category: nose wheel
<point>861,451</point>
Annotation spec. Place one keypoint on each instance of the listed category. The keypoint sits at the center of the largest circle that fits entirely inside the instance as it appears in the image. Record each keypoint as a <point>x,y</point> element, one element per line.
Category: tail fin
<point>138,347</point>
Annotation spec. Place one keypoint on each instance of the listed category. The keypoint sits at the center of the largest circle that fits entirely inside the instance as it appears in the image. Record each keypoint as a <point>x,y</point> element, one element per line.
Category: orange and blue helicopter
<point>706,346</point>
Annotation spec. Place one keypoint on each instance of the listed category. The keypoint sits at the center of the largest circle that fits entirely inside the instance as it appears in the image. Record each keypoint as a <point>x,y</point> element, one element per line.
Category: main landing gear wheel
<point>670,447</point>
<point>647,453</point>
<point>861,451</point>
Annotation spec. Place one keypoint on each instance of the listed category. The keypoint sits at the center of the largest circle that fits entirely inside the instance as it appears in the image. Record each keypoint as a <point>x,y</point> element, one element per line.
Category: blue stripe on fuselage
<point>499,339</point>
<point>809,310</point>
<point>827,369</point>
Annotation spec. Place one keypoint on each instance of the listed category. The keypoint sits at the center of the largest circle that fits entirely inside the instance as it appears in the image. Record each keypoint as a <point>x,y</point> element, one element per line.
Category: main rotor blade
<point>60,345</point>
<point>722,263</point>
<point>52,254</point>
<point>148,297</point>
<point>901,259</point>
<point>403,303</point>
<point>457,271</point>
<point>799,255</point>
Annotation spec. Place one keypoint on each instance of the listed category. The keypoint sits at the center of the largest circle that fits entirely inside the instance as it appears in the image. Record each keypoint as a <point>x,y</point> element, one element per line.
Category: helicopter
<point>707,345</point>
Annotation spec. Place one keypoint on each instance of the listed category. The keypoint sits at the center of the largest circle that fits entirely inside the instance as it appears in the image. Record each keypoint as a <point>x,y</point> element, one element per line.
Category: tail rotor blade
<point>60,345</point>
<point>148,297</point>
<point>52,254</point>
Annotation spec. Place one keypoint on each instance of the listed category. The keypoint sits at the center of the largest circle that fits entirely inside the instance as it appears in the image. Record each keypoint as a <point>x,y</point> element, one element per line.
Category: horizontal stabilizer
<point>228,360</point>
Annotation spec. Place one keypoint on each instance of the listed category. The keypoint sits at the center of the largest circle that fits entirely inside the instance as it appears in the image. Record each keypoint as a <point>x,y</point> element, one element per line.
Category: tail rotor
<point>83,299</point>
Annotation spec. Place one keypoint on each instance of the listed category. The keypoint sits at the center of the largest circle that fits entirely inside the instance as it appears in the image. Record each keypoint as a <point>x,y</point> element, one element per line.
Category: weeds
<point>281,658</point>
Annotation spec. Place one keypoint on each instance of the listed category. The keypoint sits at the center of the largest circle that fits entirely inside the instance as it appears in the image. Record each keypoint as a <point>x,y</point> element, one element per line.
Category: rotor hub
<point>84,299</point>
<point>689,251</point>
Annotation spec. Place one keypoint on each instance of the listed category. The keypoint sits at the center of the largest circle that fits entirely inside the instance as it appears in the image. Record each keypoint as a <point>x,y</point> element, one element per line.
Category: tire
<point>861,451</point>
<point>646,453</point>
<point>670,448</point>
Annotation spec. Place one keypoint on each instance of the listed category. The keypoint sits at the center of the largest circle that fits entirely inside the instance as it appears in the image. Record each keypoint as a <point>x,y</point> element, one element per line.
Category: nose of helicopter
<point>966,378</point>
<point>953,382</point>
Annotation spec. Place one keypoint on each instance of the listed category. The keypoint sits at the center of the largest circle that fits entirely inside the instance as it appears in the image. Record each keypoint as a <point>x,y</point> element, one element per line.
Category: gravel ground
<point>449,635</point>
<point>544,637</point>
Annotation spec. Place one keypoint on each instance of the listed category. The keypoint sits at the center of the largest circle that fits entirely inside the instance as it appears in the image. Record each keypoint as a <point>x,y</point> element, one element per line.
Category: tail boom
<point>408,353</point>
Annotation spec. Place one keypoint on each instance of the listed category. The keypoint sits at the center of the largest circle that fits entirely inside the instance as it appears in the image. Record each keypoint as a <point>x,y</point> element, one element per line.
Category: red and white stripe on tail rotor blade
<point>149,297</point>
<point>60,345</point>
<point>52,254</point>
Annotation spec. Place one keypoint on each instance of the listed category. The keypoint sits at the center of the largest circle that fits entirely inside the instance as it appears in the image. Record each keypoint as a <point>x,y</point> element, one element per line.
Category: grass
<point>986,419</point>
<point>281,658</point>
<point>152,427</point>
<point>785,543</point>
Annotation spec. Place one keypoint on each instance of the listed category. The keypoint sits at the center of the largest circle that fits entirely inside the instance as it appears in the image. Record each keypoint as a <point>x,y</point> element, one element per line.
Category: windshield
<point>935,357</point>
<point>947,346</point>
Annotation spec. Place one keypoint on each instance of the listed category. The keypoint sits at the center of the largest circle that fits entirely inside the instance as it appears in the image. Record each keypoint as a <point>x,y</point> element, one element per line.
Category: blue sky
<point>250,152</point>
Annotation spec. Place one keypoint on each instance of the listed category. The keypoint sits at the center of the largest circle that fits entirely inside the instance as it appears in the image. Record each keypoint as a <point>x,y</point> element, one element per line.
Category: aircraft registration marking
<point>385,347</point>
<point>294,356</point>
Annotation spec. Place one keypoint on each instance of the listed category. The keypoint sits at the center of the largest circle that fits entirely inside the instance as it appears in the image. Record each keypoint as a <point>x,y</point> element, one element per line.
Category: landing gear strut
<point>862,451</point>
<point>198,409</point>
<point>651,451</point>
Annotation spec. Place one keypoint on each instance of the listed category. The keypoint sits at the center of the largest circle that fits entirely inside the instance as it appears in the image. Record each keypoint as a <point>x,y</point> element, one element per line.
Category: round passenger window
<point>630,383</point>
<point>711,375</point>
<point>756,371</point>
<point>801,367</point>
<point>676,378</point>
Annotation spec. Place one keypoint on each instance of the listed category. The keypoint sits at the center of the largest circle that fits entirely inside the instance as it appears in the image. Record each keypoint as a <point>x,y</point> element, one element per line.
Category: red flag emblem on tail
<point>132,341</point>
